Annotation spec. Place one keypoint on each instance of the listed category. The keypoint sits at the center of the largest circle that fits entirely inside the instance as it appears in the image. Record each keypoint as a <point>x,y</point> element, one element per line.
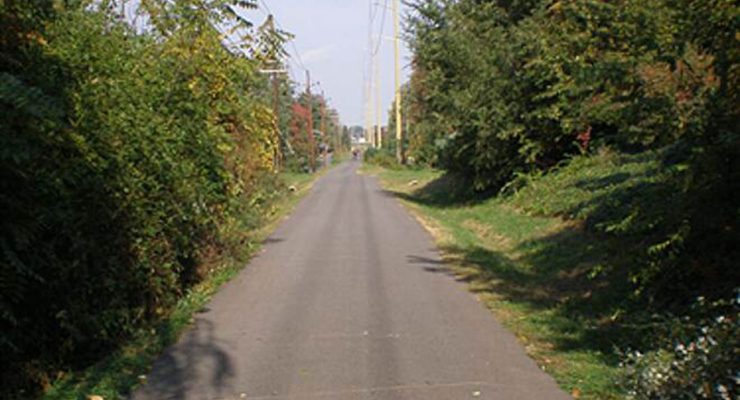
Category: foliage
<point>503,87</point>
<point>117,373</point>
<point>548,258</point>
<point>326,131</point>
<point>700,362</point>
<point>531,271</point>
<point>385,157</point>
<point>301,148</point>
<point>389,133</point>
<point>131,158</point>
<point>505,93</point>
<point>631,202</point>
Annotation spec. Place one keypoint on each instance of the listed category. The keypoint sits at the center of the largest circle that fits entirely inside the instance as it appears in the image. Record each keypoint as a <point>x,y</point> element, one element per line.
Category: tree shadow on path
<point>184,368</point>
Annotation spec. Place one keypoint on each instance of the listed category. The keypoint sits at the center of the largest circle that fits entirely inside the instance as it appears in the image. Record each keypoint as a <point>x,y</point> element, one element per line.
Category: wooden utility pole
<point>378,132</point>
<point>274,73</point>
<point>399,135</point>
<point>309,127</point>
<point>337,135</point>
<point>368,115</point>
<point>276,102</point>
<point>276,111</point>
<point>323,127</point>
<point>369,136</point>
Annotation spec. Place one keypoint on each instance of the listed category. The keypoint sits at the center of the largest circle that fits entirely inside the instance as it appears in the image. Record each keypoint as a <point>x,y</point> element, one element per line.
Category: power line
<point>292,41</point>
<point>382,27</point>
<point>373,14</point>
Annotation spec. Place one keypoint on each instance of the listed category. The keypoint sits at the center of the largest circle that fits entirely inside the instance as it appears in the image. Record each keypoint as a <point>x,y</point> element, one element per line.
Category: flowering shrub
<point>705,365</point>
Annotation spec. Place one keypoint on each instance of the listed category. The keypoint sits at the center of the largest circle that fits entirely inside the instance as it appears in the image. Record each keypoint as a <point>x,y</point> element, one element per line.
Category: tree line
<point>134,155</point>
<point>504,88</point>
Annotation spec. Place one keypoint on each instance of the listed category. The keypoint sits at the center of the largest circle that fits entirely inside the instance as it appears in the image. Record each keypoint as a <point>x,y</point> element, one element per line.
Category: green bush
<point>381,157</point>
<point>501,87</point>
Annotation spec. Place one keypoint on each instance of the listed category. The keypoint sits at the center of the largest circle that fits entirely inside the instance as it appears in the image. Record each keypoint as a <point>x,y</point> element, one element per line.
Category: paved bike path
<point>347,301</point>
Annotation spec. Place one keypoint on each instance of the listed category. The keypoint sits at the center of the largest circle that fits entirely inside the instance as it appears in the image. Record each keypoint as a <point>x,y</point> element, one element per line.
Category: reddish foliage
<point>584,139</point>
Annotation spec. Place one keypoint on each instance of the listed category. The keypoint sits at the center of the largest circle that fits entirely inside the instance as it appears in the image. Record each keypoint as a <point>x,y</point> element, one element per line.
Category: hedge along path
<point>132,159</point>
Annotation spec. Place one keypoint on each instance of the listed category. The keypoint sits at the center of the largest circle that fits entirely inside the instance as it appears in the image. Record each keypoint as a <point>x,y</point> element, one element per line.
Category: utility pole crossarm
<point>274,71</point>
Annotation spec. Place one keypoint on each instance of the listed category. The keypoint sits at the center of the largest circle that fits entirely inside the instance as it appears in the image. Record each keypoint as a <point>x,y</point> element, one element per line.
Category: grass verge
<point>116,375</point>
<point>530,259</point>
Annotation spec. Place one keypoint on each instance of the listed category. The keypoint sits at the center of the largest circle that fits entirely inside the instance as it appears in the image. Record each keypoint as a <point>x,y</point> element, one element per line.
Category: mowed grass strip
<point>115,376</point>
<point>528,258</point>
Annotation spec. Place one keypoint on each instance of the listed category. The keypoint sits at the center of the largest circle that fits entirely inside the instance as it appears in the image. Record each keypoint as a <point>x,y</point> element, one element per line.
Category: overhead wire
<point>373,12</point>
<point>297,53</point>
<point>265,9</point>
<point>365,65</point>
<point>382,27</point>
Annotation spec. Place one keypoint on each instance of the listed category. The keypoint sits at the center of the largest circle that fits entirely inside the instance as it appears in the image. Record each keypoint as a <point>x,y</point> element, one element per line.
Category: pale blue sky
<point>332,38</point>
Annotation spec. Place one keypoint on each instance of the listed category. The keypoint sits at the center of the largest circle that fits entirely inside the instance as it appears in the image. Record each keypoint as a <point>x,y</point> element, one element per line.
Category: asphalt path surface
<point>348,300</point>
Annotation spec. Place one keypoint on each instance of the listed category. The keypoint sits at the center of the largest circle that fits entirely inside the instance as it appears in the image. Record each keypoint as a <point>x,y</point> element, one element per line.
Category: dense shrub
<point>126,159</point>
<point>500,87</point>
<point>698,362</point>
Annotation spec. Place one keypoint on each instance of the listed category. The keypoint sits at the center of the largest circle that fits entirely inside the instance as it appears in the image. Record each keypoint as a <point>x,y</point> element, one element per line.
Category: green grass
<point>533,256</point>
<point>339,157</point>
<point>115,376</point>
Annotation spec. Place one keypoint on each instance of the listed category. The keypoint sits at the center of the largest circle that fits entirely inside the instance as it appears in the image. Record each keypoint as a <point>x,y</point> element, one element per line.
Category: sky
<point>331,41</point>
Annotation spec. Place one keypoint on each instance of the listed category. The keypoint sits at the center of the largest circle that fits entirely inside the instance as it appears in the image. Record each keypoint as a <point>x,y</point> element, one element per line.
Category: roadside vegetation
<point>544,260</point>
<point>139,159</point>
<point>119,372</point>
<point>589,177</point>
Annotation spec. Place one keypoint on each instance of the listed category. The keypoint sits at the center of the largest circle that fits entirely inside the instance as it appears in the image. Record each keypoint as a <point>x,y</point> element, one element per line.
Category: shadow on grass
<point>595,281</point>
<point>448,190</point>
<point>556,280</point>
<point>579,274</point>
